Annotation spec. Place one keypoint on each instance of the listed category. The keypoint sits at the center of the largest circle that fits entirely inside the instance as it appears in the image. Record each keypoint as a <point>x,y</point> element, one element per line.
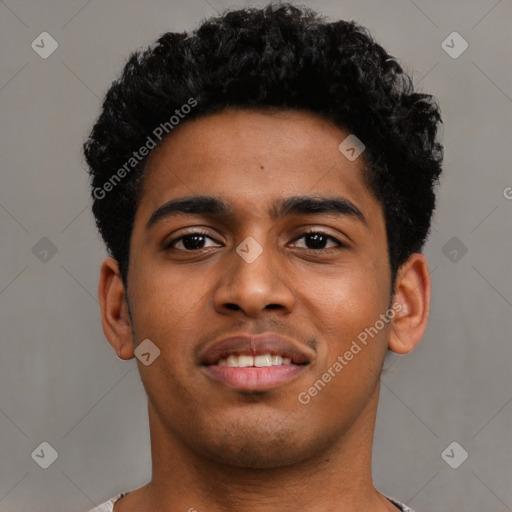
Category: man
<point>264,186</point>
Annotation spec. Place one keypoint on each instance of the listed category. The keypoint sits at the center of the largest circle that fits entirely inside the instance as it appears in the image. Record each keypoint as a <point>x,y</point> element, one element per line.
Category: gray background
<point>60,382</point>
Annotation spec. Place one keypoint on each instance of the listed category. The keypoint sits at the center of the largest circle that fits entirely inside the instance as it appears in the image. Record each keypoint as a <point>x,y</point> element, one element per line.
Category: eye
<point>316,240</point>
<point>192,242</point>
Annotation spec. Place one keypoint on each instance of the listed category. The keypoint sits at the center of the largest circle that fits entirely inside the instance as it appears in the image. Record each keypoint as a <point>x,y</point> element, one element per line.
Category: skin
<point>216,448</point>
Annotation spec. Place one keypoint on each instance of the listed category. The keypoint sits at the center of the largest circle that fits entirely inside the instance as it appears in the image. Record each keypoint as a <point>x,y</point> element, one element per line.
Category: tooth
<point>260,361</point>
<point>232,360</point>
<point>265,360</point>
<point>244,361</point>
<point>276,360</point>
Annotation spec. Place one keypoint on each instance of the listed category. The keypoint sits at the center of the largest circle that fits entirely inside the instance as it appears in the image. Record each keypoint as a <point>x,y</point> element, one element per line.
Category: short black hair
<point>279,56</point>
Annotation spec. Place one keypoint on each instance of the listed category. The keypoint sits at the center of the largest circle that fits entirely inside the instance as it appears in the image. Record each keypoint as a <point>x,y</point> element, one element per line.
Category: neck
<point>336,478</point>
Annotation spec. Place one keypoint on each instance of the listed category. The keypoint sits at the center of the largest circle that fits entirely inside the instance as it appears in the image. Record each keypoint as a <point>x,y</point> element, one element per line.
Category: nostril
<point>233,307</point>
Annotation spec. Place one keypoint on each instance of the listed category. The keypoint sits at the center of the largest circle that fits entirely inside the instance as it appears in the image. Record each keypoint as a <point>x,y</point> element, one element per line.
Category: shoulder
<point>108,506</point>
<point>401,506</point>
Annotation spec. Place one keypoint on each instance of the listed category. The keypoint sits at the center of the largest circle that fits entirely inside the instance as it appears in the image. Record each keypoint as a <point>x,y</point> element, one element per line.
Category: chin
<point>256,446</point>
<point>252,456</point>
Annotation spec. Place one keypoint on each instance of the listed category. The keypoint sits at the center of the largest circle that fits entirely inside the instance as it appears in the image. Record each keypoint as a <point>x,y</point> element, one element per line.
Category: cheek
<point>167,305</point>
<point>160,296</point>
<point>344,309</point>
<point>345,299</point>
<point>347,371</point>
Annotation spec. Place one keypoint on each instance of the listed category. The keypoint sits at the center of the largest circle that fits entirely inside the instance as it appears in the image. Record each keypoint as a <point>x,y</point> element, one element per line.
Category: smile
<point>246,361</point>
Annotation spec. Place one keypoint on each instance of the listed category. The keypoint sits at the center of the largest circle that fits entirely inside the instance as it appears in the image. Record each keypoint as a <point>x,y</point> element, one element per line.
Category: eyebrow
<point>296,205</point>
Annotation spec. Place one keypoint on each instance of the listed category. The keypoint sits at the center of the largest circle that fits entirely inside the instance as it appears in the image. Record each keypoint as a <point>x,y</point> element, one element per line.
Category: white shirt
<point>108,506</point>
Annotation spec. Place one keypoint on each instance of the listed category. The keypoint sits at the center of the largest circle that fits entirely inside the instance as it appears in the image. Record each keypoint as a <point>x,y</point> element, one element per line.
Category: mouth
<point>255,362</point>
<point>259,361</point>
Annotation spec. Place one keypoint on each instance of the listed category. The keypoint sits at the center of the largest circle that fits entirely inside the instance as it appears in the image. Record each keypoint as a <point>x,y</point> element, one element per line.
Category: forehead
<point>252,158</point>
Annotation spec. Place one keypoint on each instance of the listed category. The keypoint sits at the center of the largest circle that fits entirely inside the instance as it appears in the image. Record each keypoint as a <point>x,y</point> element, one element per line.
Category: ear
<point>114,309</point>
<point>411,304</point>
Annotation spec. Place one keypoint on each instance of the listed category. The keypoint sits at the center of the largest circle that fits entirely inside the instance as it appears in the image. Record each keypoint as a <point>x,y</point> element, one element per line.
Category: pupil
<point>316,241</point>
<point>193,242</point>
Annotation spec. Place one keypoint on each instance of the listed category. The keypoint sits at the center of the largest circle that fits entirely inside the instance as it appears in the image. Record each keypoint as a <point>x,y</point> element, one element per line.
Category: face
<point>255,226</point>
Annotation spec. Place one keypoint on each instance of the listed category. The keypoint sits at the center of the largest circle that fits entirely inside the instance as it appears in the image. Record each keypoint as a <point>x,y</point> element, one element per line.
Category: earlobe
<point>411,303</point>
<point>115,317</point>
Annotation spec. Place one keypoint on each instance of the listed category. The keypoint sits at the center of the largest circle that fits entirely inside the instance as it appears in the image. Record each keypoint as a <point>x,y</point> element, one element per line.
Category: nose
<point>253,286</point>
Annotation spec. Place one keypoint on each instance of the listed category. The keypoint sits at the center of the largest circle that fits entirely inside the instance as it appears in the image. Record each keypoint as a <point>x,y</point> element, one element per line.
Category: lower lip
<point>252,378</point>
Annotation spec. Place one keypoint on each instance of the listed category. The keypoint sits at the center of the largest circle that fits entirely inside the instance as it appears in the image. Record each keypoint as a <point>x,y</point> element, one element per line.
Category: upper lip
<point>252,344</point>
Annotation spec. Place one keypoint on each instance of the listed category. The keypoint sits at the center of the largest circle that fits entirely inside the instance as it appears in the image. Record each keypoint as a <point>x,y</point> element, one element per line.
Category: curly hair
<point>280,56</point>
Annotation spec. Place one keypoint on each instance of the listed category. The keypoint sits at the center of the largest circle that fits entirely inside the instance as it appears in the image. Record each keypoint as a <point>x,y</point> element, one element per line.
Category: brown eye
<point>318,241</point>
<point>192,242</point>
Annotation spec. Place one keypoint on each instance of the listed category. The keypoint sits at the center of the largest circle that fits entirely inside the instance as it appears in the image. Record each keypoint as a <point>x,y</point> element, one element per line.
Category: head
<point>233,131</point>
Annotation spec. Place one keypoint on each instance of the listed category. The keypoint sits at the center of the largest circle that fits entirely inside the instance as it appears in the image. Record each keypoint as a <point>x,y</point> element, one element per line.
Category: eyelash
<point>312,232</point>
